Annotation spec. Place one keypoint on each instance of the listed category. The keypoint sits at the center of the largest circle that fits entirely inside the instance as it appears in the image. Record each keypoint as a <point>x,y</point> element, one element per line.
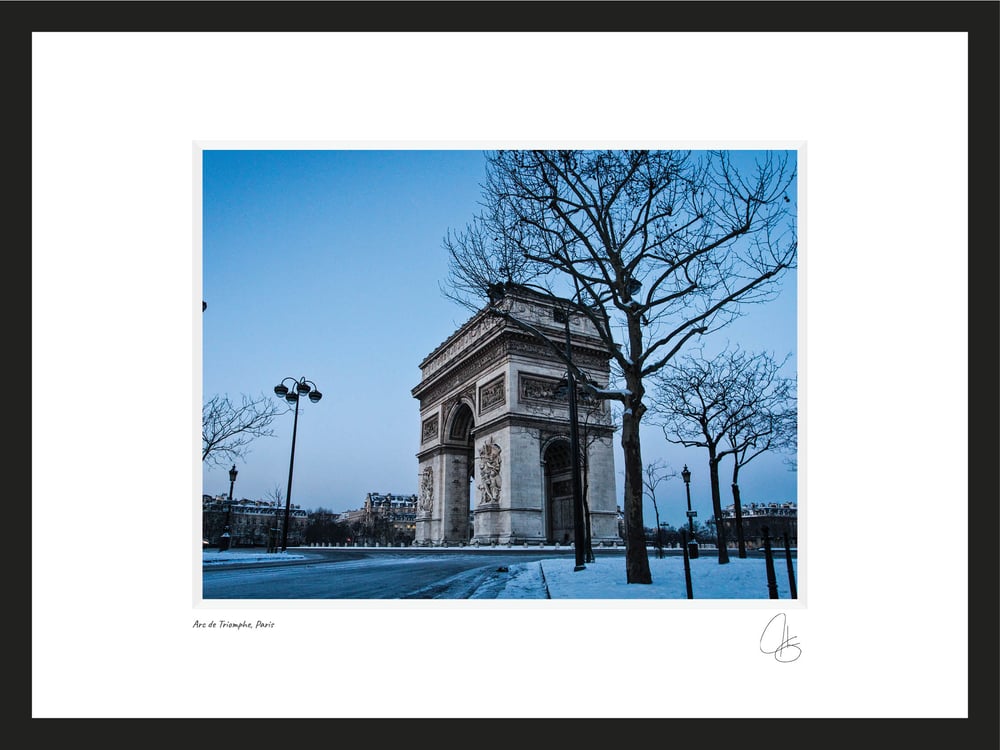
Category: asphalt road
<point>348,573</point>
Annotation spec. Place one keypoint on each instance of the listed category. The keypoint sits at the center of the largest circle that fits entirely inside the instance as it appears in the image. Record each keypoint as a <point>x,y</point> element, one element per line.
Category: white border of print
<point>112,271</point>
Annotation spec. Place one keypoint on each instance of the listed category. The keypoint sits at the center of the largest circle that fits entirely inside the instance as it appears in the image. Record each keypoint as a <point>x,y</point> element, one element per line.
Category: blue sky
<point>327,264</point>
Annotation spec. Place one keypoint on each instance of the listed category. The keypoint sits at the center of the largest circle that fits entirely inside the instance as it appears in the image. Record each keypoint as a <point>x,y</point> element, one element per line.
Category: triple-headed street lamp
<point>300,388</point>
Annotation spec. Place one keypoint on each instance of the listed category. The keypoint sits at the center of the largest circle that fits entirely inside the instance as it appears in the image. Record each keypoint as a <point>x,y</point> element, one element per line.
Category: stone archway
<point>446,476</point>
<point>494,431</point>
<point>458,471</point>
<point>559,492</point>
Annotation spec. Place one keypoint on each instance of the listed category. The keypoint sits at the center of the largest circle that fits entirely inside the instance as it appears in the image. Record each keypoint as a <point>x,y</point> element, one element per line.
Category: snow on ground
<point>215,557</point>
<point>555,578</point>
<point>740,578</point>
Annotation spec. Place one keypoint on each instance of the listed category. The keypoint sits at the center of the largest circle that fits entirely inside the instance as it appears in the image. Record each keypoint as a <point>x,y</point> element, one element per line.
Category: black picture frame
<point>979,20</point>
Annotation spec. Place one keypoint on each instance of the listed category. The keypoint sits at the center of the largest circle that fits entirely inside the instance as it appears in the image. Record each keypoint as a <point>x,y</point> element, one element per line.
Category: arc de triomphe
<point>494,432</point>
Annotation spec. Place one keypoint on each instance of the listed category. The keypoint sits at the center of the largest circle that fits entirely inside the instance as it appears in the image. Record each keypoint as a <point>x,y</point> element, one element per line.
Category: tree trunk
<point>636,559</point>
<point>740,540</point>
<point>588,551</point>
<point>720,527</point>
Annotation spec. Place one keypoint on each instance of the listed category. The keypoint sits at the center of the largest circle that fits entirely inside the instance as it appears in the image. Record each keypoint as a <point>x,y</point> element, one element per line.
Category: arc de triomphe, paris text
<point>494,432</point>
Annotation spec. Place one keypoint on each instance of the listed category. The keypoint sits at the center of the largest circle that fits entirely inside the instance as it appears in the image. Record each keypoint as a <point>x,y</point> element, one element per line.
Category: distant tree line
<point>324,527</point>
<point>670,536</point>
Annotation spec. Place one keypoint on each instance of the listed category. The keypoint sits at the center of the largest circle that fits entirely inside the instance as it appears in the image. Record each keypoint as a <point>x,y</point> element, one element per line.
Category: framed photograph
<point>134,120</point>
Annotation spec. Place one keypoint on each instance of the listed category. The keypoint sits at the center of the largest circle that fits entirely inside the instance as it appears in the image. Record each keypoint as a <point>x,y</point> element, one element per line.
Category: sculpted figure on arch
<point>427,489</point>
<point>489,467</point>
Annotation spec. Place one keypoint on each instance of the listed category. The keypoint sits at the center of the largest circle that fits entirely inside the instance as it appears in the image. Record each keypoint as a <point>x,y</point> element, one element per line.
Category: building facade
<point>252,523</point>
<point>494,430</point>
<point>779,518</point>
<point>384,518</point>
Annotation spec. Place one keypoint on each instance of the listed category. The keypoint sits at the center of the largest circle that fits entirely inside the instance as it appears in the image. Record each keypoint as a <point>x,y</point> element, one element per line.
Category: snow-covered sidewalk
<point>740,578</point>
<point>215,557</point>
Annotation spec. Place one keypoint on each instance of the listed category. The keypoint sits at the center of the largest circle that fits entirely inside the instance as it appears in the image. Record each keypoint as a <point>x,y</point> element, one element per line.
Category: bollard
<point>791,572</point>
<point>687,564</point>
<point>772,582</point>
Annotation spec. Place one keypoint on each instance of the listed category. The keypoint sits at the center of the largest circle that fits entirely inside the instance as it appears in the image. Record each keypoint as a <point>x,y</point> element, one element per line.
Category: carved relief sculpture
<point>427,489</point>
<point>539,389</point>
<point>489,467</point>
<point>492,395</point>
<point>430,429</point>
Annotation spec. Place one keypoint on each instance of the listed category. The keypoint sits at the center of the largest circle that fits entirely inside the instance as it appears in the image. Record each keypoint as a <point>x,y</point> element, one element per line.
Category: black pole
<point>772,582</point>
<point>687,564</point>
<point>687,486</point>
<point>579,541</point>
<point>589,533</point>
<point>291,463</point>
<point>791,573</point>
<point>229,508</point>
<point>737,507</point>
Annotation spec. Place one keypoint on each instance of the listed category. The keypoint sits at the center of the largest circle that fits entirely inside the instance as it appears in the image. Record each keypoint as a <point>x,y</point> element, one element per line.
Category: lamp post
<point>579,541</point>
<point>692,542</point>
<point>687,562</point>
<point>229,508</point>
<point>300,387</point>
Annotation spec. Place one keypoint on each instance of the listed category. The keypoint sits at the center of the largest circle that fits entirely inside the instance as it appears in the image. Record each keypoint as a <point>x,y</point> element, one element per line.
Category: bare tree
<point>723,404</point>
<point>654,247</point>
<point>227,428</point>
<point>276,496</point>
<point>790,447</point>
<point>768,403</point>
<point>655,474</point>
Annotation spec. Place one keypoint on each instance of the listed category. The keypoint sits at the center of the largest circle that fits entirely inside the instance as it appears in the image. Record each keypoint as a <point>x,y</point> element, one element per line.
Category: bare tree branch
<point>227,428</point>
<point>736,403</point>
<point>657,248</point>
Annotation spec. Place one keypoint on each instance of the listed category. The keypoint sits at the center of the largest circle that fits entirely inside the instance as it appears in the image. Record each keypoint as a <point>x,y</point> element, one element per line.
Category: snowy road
<point>460,573</point>
<point>380,576</point>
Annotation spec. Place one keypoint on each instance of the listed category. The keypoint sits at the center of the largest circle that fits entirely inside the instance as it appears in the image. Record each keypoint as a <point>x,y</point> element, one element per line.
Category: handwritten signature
<point>779,642</point>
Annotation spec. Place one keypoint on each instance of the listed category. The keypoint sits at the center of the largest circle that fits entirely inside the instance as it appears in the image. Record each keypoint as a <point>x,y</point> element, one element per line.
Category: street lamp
<point>301,387</point>
<point>579,541</point>
<point>692,542</point>
<point>229,508</point>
